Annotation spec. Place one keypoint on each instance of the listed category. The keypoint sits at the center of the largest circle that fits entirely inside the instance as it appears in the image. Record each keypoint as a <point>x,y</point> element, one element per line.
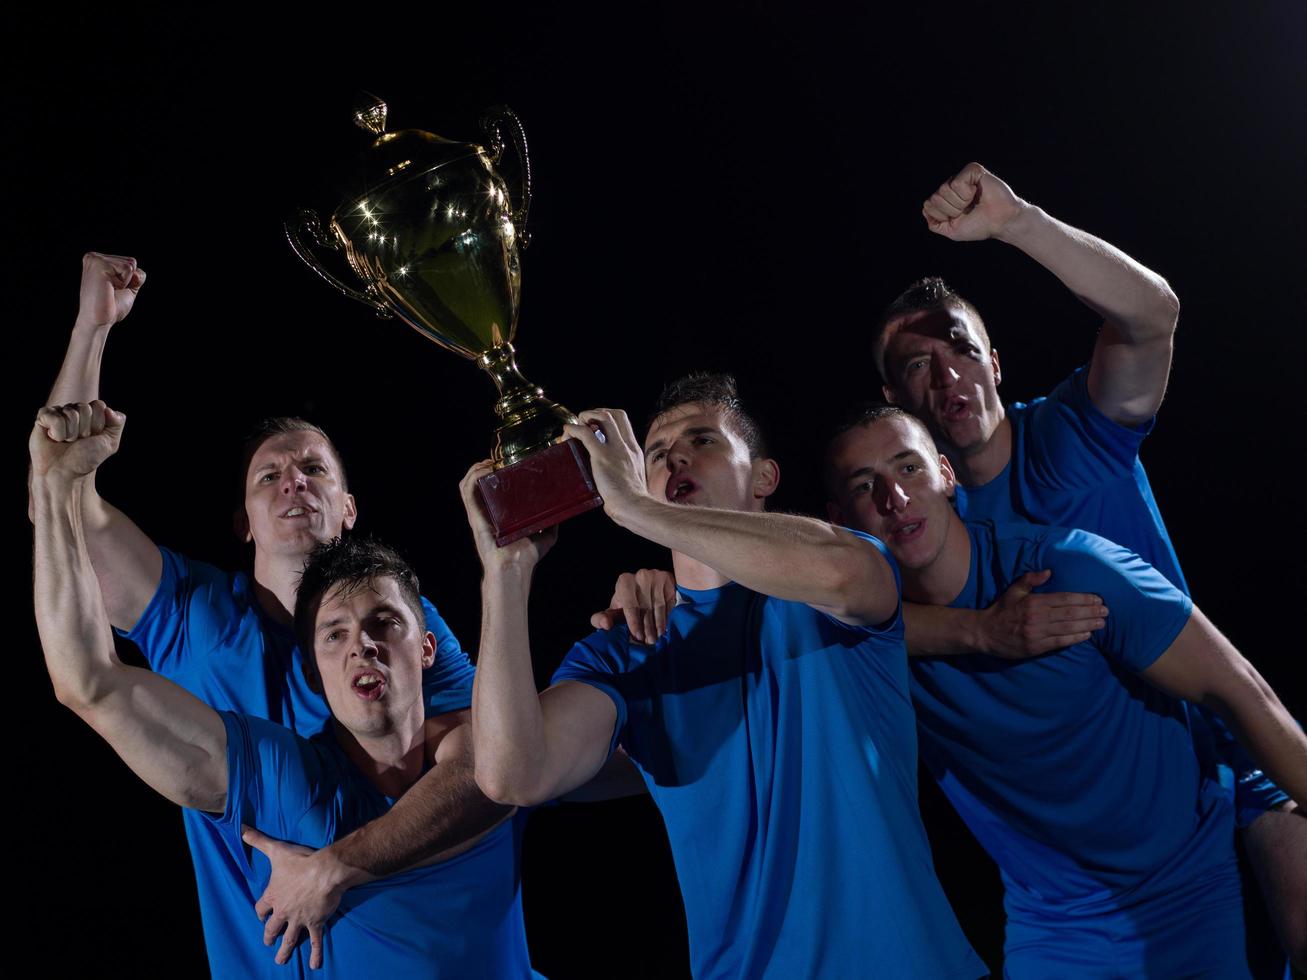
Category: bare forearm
<point>1276,843</point>
<point>1135,299</point>
<point>1265,728</point>
<point>938,631</point>
<point>69,613</point>
<point>440,817</point>
<point>79,375</point>
<point>782,555</point>
<point>507,721</point>
<point>174,742</point>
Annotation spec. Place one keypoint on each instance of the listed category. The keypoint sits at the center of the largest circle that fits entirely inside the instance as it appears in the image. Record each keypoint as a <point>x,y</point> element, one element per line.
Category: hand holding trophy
<point>430,230</point>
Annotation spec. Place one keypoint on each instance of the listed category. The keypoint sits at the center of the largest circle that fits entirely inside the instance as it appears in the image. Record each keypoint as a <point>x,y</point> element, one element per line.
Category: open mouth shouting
<point>300,510</point>
<point>907,530</point>
<point>957,408</point>
<point>680,489</point>
<point>368,684</point>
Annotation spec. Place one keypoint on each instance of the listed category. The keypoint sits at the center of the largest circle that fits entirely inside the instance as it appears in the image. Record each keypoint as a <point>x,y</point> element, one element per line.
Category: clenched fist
<point>109,287</point>
<point>71,441</point>
<point>971,206</point>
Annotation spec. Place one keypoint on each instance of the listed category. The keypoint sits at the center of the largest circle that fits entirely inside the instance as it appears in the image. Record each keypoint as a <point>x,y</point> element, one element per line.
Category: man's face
<point>294,498</point>
<point>941,369</point>
<point>889,482</point>
<point>694,456</point>
<point>370,650</point>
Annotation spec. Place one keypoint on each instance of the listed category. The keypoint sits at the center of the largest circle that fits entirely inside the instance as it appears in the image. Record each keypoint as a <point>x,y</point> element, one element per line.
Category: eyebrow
<point>870,471</point>
<point>302,461</point>
<point>696,430</point>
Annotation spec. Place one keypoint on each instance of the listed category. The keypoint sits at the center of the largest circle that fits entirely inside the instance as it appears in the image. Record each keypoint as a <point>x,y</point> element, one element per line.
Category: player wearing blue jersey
<point>1078,779</point>
<point>772,724</point>
<point>360,614</point>
<point>1069,460</point>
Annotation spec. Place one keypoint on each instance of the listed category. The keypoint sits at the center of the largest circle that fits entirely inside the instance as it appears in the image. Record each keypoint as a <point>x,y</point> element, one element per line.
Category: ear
<point>351,512</point>
<point>766,478</point>
<point>998,371</point>
<point>428,650</point>
<point>950,481</point>
<point>240,524</point>
<point>889,395</point>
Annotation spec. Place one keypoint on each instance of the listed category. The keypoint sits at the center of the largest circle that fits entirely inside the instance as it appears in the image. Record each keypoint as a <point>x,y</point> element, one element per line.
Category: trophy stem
<point>531,421</point>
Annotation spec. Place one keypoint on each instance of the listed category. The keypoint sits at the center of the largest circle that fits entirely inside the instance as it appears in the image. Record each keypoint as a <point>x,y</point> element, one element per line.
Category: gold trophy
<point>430,230</point>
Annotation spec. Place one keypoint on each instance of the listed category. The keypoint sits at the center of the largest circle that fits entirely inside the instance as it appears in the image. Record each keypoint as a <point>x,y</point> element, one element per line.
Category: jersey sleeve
<point>1072,444</point>
<point>192,602</point>
<point>601,660</point>
<point>447,683</point>
<point>1145,611</point>
<point>895,623</point>
<point>275,780</point>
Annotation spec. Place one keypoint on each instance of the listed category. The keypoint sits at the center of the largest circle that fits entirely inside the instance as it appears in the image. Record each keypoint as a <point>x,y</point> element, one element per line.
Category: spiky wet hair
<point>349,564</point>
<point>712,389</point>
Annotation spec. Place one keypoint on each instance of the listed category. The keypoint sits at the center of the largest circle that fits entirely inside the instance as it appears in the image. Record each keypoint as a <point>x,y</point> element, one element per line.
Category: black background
<point>731,189</point>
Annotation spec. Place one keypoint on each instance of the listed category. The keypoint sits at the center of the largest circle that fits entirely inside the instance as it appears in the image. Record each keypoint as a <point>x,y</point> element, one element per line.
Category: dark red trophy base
<point>540,491</point>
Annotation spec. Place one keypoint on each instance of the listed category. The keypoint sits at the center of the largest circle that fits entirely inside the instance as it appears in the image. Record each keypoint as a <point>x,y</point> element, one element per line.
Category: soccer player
<point>361,619</point>
<point>771,723</point>
<point>1075,770</point>
<point>1071,459</point>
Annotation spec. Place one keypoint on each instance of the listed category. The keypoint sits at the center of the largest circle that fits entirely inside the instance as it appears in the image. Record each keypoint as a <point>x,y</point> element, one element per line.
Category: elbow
<point>81,698</point>
<point>502,785</point>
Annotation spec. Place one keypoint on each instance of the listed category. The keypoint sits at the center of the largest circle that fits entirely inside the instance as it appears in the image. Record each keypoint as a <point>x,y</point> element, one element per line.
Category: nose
<point>367,648</point>
<point>942,375</point>
<point>293,481</point>
<point>890,497</point>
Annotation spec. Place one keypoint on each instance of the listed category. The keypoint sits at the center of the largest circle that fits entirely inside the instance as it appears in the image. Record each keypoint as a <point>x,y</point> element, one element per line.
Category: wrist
<point>976,633</point>
<point>88,327</point>
<point>335,875</point>
<point>55,486</point>
<point>1020,224</point>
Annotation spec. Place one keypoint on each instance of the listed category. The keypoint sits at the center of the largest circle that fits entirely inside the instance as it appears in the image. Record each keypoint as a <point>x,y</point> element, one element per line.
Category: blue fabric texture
<point>452,920</point>
<point>1072,466</point>
<point>780,746</point>
<point>204,630</point>
<point>1076,775</point>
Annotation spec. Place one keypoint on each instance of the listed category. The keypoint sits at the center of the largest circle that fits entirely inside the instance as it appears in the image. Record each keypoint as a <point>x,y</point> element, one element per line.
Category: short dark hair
<point>279,425</point>
<point>930,293</point>
<point>351,564</point>
<point>712,389</point>
<point>868,413</point>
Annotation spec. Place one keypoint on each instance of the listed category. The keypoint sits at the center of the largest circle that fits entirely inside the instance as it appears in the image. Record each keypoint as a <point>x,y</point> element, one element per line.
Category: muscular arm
<point>530,747</point>
<point>1203,667</point>
<point>1276,843</point>
<point>800,559</point>
<point>440,817</point>
<point>126,562</point>
<point>1132,358</point>
<point>174,742</point>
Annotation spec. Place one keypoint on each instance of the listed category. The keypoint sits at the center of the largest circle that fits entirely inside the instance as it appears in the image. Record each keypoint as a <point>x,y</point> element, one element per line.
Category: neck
<point>391,762</point>
<point>275,580</point>
<point>694,574</point>
<point>977,466</point>
<point>942,581</point>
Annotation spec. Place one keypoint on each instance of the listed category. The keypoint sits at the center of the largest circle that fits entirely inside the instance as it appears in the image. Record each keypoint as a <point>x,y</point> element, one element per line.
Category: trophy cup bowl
<point>429,228</point>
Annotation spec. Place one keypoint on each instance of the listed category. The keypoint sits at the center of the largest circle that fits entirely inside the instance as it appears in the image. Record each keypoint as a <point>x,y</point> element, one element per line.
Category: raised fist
<point>71,441</point>
<point>109,287</point>
<point>971,206</point>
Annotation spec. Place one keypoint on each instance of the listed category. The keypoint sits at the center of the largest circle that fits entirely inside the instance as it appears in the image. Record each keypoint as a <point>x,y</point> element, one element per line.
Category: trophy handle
<point>304,233</point>
<point>493,122</point>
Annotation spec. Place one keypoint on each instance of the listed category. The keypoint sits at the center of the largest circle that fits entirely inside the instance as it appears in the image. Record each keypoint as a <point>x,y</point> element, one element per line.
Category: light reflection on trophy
<point>429,228</point>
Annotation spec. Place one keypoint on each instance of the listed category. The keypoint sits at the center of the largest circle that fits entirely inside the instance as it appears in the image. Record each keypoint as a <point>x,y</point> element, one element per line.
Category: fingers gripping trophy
<point>431,232</point>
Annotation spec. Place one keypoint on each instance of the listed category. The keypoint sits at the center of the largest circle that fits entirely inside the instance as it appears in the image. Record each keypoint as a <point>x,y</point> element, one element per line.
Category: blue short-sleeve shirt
<point>780,746</point>
<point>1076,775</point>
<point>204,630</point>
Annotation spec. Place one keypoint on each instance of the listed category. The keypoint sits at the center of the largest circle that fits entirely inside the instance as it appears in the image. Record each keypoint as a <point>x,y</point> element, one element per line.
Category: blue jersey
<point>1077,776</point>
<point>452,920</point>
<point>204,630</point>
<point>1072,466</point>
<point>780,746</point>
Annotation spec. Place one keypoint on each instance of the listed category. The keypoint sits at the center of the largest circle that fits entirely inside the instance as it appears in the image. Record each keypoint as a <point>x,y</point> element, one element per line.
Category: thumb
<point>1033,580</point>
<point>114,421</point>
<point>604,620</point>
<point>255,839</point>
